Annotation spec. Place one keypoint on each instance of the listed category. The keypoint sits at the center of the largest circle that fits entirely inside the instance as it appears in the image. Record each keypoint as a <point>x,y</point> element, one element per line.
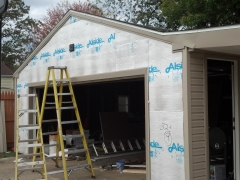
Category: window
<point>123,103</point>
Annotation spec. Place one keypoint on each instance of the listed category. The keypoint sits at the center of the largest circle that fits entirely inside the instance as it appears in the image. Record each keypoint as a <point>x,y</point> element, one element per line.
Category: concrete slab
<point>7,168</point>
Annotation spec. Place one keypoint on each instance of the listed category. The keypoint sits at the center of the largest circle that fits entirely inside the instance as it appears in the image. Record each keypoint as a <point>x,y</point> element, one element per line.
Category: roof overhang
<point>222,39</point>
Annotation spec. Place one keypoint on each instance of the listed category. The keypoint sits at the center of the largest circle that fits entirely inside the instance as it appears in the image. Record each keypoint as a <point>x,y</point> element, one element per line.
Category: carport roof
<point>219,39</point>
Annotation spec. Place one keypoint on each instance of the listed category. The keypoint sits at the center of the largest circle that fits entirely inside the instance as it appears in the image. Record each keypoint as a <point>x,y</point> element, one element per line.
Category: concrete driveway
<point>7,168</point>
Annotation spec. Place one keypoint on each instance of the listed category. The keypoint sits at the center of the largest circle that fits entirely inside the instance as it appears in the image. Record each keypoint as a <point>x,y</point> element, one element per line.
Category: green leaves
<point>173,14</point>
<point>192,14</point>
<point>17,36</point>
<point>143,12</point>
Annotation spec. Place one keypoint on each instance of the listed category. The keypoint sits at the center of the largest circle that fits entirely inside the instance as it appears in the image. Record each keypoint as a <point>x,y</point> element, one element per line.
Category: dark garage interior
<point>104,97</point>
<point>112,115</point>
<point>220,115</point>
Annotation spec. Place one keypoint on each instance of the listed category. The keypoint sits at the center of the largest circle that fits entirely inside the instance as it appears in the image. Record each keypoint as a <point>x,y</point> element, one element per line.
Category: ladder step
<point>60,94</point>
<point>73,136</point>
<point>27,95</point>
<point>55,172</point>
<point>50,120</point>
<point>50,103</point>
<point>76,151</point>
<point>29,127</point>
<point>29,168</point>
<point>71,122</point>
<point>52,107</point>
<point>57,67</point>
<point>61,108</point>
<point>65,102</point>
<point>28,110</point>
<point>27,155</point>
<point>70,168</point>
<point>30,145</point>
<point>70,107</point>
<point>64,94</point>
<point>30,163</point>
<point>50,133</point>
<point>27,140</point>
<point>50,145</point>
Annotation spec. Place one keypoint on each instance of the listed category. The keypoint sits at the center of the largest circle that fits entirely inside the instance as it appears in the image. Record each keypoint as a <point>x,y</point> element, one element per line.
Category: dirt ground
<point>7,168</point>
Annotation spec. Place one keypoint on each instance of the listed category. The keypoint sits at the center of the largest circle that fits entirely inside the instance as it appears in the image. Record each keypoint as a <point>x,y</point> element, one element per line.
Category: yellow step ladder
<point>36,143</point>
<point>59,106</point>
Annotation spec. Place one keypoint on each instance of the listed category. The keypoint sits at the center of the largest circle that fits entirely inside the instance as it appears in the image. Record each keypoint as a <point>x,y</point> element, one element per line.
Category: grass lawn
<point>7,154</point>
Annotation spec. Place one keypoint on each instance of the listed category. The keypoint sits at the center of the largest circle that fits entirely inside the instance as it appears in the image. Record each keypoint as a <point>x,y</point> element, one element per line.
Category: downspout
<point>15,107</point>
<point>187,115</point>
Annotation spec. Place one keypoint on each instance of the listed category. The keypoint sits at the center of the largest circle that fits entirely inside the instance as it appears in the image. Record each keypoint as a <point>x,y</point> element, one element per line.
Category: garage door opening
<point>220,119</point>
<point>113,116</point>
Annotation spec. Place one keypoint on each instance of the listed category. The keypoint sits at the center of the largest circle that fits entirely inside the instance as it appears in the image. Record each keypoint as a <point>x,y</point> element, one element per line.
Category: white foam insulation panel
<point>103,49</point>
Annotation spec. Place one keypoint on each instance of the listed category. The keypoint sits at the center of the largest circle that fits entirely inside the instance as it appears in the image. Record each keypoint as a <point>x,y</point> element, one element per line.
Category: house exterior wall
<point>6,83</point>
<point>101,49</point>
<point>195,98</point>
<point>198,117</point>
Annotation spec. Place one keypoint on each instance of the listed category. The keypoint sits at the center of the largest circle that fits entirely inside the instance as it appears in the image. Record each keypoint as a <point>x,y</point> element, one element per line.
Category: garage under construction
<point>163,101</point>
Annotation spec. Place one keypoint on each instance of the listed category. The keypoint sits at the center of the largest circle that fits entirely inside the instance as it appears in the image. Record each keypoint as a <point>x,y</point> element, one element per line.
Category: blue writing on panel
<point>173,66</point>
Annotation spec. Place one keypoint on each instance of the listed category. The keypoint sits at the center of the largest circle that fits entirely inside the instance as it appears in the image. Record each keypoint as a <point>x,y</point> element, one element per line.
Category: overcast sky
<point>38,7</point>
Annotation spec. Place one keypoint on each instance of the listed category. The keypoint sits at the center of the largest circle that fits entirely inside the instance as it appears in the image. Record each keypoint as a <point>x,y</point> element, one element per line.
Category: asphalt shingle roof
<point>5,70</point>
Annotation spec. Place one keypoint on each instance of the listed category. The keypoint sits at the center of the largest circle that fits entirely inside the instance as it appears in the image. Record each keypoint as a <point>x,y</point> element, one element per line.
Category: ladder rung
<point>52,157</point>
<point>50,145</point>
<point>70,107</point>
<point>50,103</point>
<point>30,163</point>
<point>65,102</point>
<point>30,127</point>
<point>28,110</point>
<point>27,95</point>
<point>57,67</point>
<point>75,151</point>
<point>64,94</point>
<point>138,145</point>
<point>130,145</point>
<point>60,94</point>
<point>71,122</point>
<point>73,136</point>
<point>27,140</point>
<point>70,168</point>
<point>61,108</point>
<point>52,107</point>
<point>50,120</point>
<point>113,147</point>
<point>30,145</point>
<point>55,172</point>
<point>30,168</point>
<point>27,155</point>
<point>49,133</point>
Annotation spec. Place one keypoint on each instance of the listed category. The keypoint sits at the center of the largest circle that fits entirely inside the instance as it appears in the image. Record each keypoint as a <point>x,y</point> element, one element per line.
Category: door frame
<point>235,90</point>
<point>112,76</point>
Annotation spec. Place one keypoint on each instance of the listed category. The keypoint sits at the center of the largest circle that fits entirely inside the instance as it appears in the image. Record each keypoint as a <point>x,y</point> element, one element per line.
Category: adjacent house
<point>180,88</point>
<point>7,97</point>
<point>6,78</point>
